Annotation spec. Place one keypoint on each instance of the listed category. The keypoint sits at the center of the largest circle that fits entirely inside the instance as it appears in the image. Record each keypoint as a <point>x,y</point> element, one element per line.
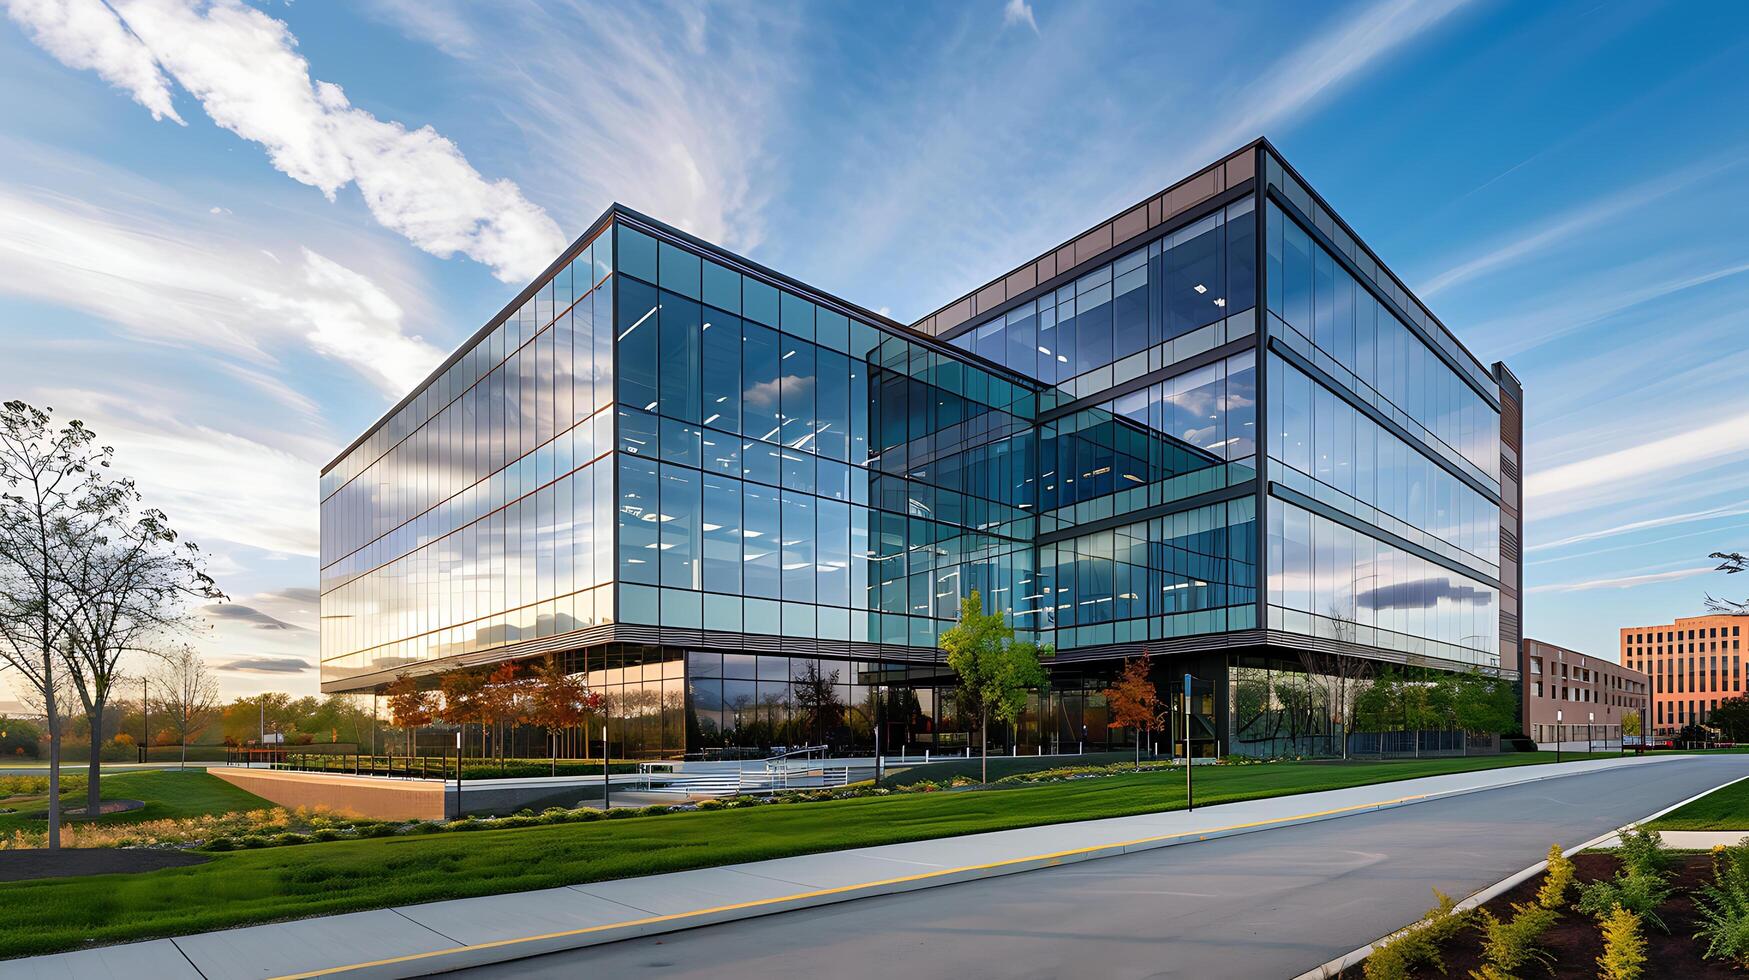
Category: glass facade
<point>747,510</point>
<point>479,513</point>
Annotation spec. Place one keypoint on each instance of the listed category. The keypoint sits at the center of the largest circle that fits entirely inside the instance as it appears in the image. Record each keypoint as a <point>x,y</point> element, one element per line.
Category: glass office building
<point>1213,430</point>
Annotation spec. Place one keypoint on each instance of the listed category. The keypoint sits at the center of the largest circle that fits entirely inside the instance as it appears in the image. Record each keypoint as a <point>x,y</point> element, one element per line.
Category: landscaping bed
<point>1639,911</point>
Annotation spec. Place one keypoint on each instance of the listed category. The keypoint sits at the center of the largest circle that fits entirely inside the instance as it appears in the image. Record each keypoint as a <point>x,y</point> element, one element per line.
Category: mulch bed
<point>70,862</point>
<point>104,809</point>
<point>1576,941</point>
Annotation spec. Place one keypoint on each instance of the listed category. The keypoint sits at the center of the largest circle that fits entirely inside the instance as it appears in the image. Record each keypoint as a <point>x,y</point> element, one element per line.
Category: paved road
<point>1266,905</point>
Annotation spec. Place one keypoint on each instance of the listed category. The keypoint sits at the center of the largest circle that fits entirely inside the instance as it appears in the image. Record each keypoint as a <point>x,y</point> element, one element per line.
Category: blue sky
<point>231,234</point>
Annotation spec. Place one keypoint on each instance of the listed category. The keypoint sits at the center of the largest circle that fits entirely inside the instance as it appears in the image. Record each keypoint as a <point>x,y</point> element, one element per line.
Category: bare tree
<point>187,694</point>
<point>132,583</point>
<point>1730,562</point>
<point>53,489</point>
<point>1342,678</point>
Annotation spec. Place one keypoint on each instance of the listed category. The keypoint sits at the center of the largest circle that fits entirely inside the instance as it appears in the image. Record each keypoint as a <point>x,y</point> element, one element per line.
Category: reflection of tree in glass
<point>816,695</point>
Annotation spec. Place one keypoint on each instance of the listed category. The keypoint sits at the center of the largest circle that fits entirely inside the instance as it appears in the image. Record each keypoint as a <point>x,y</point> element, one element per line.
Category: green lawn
<point>344,876</point>
<point>1722,809</point>
<point>166,793</point>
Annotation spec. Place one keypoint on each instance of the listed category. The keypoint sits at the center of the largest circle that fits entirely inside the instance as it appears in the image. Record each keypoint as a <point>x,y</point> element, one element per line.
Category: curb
<point>509,950</point>
<point>1355,957</point>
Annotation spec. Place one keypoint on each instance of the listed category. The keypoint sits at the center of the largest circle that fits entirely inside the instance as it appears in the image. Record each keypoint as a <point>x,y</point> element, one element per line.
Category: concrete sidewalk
<point>421,939</point>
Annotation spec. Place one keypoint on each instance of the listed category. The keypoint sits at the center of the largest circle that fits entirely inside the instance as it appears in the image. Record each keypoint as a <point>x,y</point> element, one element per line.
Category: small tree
<point>464,697</point>
<point>1630,723</point>
<point>132,583</point>
<point>187,695</point>
<point>1731,718</point>
<point>504,701</point>
<point>1135,702</point>
<point>559,700</point>
<point>53,488</point>
<point>409,707</point>
<point>995,670</point>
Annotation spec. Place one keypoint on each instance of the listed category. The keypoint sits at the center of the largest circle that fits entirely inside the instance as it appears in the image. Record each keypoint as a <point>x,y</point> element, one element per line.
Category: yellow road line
<point>1051,859</point>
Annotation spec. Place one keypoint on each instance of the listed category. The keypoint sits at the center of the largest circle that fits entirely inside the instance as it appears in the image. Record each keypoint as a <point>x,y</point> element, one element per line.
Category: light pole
<point>1557,735</point>
<point>1590,720</point>
<point>1189,798</point>
<point>606,790</point>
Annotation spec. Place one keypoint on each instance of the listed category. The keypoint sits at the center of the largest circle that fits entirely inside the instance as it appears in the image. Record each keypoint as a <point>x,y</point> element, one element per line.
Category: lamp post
<point>1557,734</point>
<point>606,790</point>
<point>1590,721</point>
<point>1189,798</point>
<point>458,773</point>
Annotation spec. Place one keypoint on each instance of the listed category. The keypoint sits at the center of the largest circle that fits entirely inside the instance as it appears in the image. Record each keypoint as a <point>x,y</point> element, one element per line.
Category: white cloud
<point>1016,13</point>
<point>1708,444</point>
<point>86,34</point>
<point>1568,224</point>
<point>216,485</point>
<point>1587,305</point>
<point>185,287</point>
<point>1321,66</point>
<point>664,107</point>
<point>244,69</point>
<point>1711,513</point>
<point>1621,582</point>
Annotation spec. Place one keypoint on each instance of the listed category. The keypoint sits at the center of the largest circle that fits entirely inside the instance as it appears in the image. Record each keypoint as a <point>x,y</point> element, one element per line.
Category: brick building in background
<point>1592,695</point>
<point>1694,663</point>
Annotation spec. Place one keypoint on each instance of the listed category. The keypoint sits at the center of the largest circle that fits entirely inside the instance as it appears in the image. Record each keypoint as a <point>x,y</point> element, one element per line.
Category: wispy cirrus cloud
<point>1018,13</point>
<point>1710,443</point>
<point>1652,523</point>
<point>1320,67</point>
<point>244,69</point>
<point>1571,223</point>
<point>666,107</point>
<point>265,665</point>
<point>202,286</point>
<point>1621,581</point>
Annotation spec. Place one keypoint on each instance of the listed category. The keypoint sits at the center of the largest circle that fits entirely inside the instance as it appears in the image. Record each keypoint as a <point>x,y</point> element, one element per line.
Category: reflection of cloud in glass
<point>1422,594</point>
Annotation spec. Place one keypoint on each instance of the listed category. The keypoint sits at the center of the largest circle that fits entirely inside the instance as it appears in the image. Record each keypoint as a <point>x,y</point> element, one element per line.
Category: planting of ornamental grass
<point>251,886</point>
<point>1636,912</point>
<point>168,794</point>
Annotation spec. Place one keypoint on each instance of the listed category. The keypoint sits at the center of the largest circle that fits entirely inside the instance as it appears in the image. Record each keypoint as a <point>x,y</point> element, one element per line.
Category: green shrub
<point>327,834</point>
<point>1723,905</point>
<point>1624,949</point>
<point>252,841</point>
<point>1642,852</point>
<point>620,812</point>
<point>1418,944</point>
<point>1510,945</point>
<point>1639,893</point>
<point>285,840</point>
<point>655,810</point>
<point>585,814</point>
<point>712,805</point>
<point>219,844</point>
<point>1557,880</point>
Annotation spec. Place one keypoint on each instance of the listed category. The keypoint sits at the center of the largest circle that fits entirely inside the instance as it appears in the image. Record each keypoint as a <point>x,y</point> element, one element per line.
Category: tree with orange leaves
<point>505,700</point>
<point>410,707</point>
<point>559,700</point>
<point>1135,702</point>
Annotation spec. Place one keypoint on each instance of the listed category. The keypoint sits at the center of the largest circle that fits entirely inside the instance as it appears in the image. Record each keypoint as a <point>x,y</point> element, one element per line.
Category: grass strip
<point>1722,809</point>
<point>346,876</point>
